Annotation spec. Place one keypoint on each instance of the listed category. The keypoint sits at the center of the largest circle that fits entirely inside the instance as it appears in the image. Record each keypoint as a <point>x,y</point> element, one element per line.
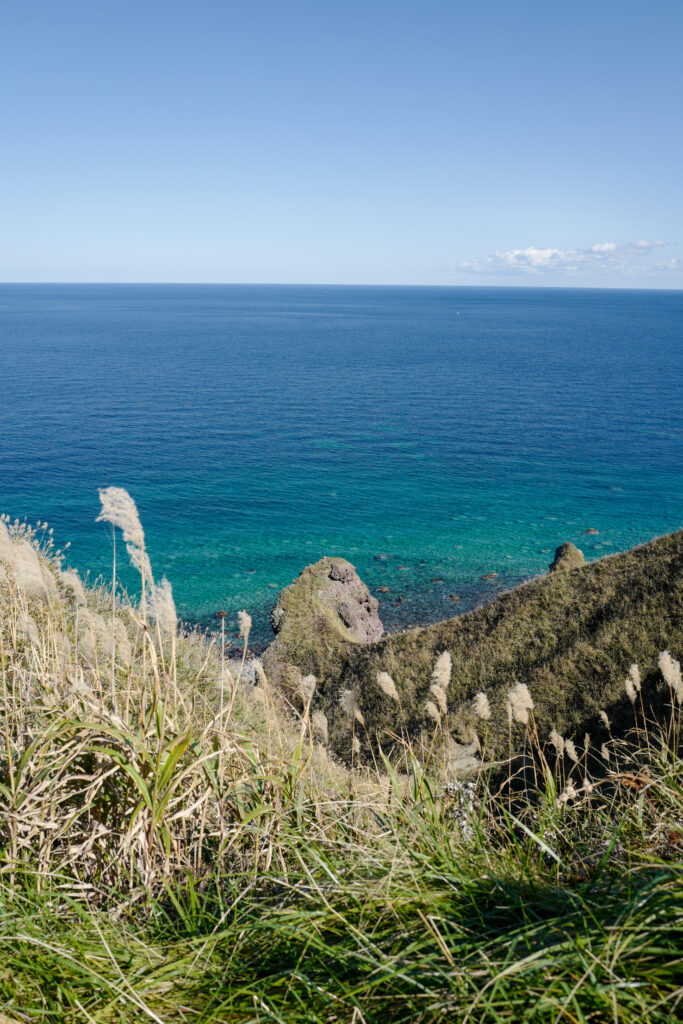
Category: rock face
<point>326,607</point>
<point>567,556</point>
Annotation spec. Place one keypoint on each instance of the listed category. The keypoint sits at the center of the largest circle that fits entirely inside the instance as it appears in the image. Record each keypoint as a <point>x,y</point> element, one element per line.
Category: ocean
<point>432,436</point>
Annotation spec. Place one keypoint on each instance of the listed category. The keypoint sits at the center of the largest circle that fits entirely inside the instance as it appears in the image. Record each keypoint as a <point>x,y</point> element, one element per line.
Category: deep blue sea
<point>430,435</point>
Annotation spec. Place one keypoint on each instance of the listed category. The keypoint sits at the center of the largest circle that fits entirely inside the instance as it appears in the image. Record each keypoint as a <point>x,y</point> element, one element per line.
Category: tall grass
<point>181,847</point>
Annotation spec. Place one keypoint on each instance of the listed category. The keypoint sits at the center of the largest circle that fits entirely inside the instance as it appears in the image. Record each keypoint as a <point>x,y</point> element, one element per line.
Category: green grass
<point>419,925</point>
<point>159,862</point>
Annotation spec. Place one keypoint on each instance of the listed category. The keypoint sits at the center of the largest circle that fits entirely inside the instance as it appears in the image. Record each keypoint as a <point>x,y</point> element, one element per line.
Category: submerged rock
<point>567,556</point>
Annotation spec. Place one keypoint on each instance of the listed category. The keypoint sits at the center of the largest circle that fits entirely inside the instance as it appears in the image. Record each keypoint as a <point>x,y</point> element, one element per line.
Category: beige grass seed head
<point>244,623</point>
<point>260,674</point>
<point>349,706</point>
<point>387,685</point>
<point>569,793</point>
<point>441,676</point>
<point>161,607</point>
<point>557,741</point>
<point>432,711</point>
<point>119,509</point>
<point>482,708</point>
<point>671,670</point>
<point>74,585</point>
<point>22,559</point>
<point>307,688</point>
<point>570,751</point>
<point>440,698</point>
<point>634,674</point>
<point>520,703</point>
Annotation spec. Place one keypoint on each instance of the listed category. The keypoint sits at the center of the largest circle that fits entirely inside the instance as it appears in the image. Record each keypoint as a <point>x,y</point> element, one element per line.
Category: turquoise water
<point>430,435</point>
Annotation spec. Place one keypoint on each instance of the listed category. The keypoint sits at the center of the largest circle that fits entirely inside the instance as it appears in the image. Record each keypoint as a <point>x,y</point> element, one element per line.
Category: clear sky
<point>425,142</point>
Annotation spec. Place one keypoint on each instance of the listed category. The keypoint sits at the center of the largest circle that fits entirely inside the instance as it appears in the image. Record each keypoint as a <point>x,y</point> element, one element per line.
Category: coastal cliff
<point>570,636</point>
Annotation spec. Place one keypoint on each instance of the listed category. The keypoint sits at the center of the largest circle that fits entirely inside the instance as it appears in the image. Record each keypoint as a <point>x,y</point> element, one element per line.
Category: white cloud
<point>628,258</point>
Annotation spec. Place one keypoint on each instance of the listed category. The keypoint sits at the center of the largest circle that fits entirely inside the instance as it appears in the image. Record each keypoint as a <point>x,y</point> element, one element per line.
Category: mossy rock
<point>324,611</point>
<point>567,556</point>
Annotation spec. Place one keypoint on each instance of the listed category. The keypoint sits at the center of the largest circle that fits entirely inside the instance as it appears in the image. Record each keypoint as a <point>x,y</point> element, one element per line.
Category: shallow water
<point>430,435</point>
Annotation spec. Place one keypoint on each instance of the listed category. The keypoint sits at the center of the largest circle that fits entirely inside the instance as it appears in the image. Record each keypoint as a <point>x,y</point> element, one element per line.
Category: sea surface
<point>430,435</point>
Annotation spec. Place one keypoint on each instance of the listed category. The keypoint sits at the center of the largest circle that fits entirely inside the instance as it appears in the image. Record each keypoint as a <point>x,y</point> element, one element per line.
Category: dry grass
<point>130,756</point>
<point>179,845</point>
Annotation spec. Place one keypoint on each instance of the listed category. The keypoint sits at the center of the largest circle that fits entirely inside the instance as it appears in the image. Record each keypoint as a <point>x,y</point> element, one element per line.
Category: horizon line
<point>337,284</point>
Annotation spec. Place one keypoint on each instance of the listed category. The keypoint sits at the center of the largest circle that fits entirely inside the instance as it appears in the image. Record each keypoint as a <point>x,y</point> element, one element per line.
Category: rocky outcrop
<point>325,609</point>
<point>567,556</point>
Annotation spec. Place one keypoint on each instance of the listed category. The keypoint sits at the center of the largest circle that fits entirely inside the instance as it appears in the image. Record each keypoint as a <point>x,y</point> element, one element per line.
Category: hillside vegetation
<point>180,845</point>
<point>570,636</point>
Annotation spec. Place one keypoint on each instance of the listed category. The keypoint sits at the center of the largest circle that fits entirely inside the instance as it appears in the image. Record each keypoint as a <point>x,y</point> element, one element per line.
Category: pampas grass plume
<point>119,509</point>
<point>482,708</point>
<point>161,607</point>
<point>557,741</point>
<point>671,670</point>
<point>432,711</point>
<point>387,685</point>
<point>441,676</point>
<point>568,794</point>
<point>350,707</point>
<point>634,674</point>
<point>258,669</point>
<point>307,688</point>
<point>244,623</point>
<point>520,703</point>
<point>440,697</point>
<point>570,751</point>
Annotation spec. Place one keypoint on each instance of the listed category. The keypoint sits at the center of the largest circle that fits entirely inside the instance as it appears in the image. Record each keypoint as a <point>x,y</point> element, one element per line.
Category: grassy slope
<point>418,926</point>
<point>570,636</point>
<point>170,867</point>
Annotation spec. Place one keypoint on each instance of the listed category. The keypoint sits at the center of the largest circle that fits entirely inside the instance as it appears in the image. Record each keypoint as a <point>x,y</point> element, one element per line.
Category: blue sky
<point>344,142</point>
